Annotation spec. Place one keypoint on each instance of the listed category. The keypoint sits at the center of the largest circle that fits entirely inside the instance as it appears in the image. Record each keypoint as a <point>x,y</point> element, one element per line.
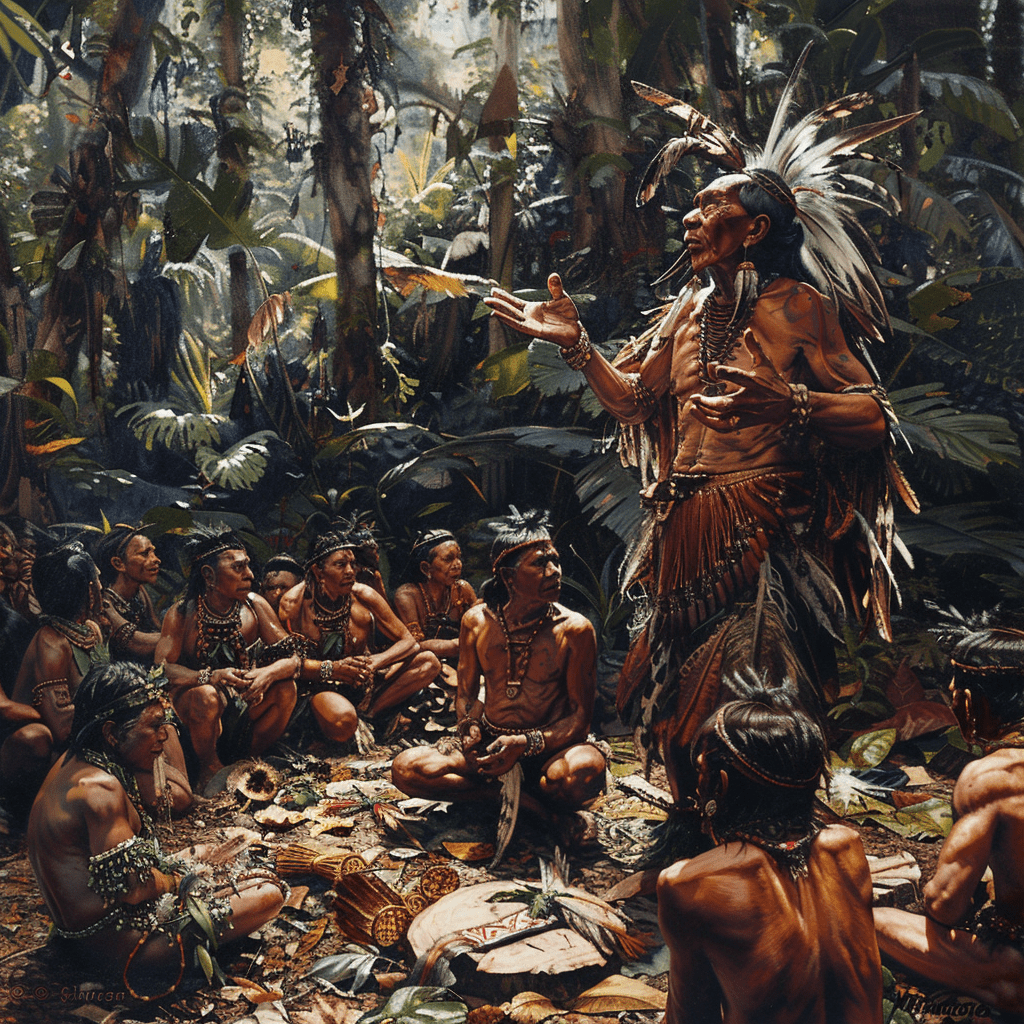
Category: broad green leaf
<point>416,1005</point>
<point>153,424</point>
<point>508,371</point>
<point>966,529</point>
<point>872,748</point>
<point>974,439</point>
<point>241,466</point>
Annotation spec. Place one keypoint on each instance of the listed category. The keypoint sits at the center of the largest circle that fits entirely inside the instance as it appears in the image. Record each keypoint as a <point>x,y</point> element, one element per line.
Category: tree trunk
<point>593,135</point>
<point>498,122</point>
<point>343,169</point>
<point>73,309</point>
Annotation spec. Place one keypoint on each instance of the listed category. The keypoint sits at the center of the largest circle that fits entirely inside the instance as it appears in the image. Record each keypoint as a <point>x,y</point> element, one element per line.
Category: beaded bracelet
<point>579,355</point>
<point>326,671</point>
<point>534,743</point>
<point>203,679</point>
<point>800,412</point>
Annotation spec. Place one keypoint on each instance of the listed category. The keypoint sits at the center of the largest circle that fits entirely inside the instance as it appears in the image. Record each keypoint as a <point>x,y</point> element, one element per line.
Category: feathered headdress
<point>800,167</point>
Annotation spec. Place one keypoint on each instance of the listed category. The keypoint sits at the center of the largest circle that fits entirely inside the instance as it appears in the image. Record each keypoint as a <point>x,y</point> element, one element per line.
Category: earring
<point>710,809</point>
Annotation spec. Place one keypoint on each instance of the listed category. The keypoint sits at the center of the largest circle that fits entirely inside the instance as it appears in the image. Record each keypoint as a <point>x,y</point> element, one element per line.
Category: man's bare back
<point>752,945</point>
<point>988,801</point>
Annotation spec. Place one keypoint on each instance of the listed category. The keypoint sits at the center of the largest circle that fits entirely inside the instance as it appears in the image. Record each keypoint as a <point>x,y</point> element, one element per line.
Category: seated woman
<point>433,605</point>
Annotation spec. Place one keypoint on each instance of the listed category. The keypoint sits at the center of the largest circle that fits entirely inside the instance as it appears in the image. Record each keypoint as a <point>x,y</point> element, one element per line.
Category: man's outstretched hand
<point>556,320</point>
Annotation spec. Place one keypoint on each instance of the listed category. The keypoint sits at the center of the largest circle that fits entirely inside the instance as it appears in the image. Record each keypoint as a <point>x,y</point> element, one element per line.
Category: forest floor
<point>268,974</point>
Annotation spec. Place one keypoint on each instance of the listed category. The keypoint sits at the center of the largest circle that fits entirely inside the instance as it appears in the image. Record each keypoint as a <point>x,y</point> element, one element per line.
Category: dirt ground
<point>266,973</point>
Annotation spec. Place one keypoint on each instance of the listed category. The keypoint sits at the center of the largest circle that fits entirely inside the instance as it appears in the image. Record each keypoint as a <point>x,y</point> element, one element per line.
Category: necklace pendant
<point>512,689</point>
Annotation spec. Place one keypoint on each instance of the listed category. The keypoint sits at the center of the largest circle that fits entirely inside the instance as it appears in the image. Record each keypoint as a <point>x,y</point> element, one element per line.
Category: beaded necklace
<point>716,346</point>
<point>131,609</point>
<point>78,634</point>
<point>335,625</point>
<point>789,854</point>
<point>519,662</point>
<point>217,633</point>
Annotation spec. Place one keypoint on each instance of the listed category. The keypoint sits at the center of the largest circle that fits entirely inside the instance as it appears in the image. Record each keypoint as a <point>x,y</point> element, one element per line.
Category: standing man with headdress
<point>537,660</point>
<point>759,434</point>
<point>230,665</point>
<point>433,606</point>
<point>127,561</point>
<point>335,618</point>
<point>773,924</point>
<point>971,935</point>
<point>119,904</point>
<point>67,585</point>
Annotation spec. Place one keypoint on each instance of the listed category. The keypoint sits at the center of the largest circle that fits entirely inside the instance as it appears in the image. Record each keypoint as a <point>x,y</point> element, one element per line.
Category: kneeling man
<point>774,923</point>
<point>120,904</point>
<point>977,951</point>
<point>538,662</point>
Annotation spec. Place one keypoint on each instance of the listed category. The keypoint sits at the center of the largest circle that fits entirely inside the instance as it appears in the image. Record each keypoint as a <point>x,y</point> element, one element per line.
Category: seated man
<point>336,616</point>
<point>538,662</point>
<point>127,561</point>
<point>432,606</point>
<point>979,952</point>
<point>774,923</point>
<point>116,901</point>
<point>280,574</point>
<point>230,664</point>
<point>58,656</point>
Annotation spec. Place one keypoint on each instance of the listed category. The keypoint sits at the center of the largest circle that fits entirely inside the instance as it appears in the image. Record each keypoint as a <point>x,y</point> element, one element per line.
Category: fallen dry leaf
<point>312,937</point>
<point>331,825</point>
<point>277,818</point>
<point>530,1008</point>
<point>298,894</point>
<point>470,852</point>
<point>617,994</point>
<point>256,993</point>
<point>326,1009</point>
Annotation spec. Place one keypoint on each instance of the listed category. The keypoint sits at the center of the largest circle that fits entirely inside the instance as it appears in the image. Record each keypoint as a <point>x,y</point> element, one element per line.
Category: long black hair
<point>61,578</point>
<point>205,546</point>
<point>774,754</point>
<point>778,253</point>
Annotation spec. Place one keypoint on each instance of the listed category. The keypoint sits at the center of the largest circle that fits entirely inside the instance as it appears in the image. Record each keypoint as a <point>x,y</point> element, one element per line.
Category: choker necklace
<point>519,662</point>
<point>219,631</point>
<point>78,634</point>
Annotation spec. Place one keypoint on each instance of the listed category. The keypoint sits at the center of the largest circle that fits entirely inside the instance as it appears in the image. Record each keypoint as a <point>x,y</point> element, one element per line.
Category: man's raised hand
<point>556,320</point>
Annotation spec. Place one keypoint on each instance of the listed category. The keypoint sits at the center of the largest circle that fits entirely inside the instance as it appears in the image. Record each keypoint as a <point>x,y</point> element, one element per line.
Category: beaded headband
<point>152,688</point>
<point>751,769</point>
<point>342,543</point>
<point>133,531</point>
<point>516,547</point>
<point>432,537</point>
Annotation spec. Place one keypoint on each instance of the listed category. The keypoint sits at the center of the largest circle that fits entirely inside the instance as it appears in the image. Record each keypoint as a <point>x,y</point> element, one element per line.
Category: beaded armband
<point>534,743</point>
<point>122,636</point>
<point>643,396</point>
<point>61,693</point>
<point>117,871</point>
<point>579,355</point>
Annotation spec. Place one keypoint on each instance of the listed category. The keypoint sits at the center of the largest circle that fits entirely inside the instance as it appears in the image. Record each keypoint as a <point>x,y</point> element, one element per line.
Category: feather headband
<point>801,167</point>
